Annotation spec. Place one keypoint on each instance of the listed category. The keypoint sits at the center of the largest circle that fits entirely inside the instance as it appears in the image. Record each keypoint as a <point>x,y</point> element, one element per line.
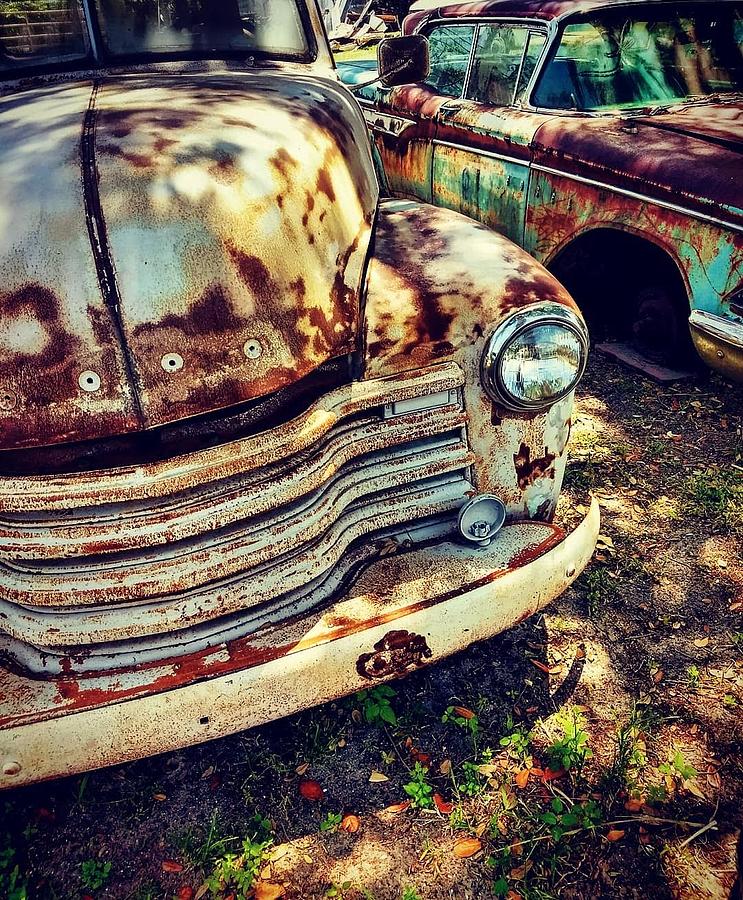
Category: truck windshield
<point>646,59</point>
<point>37,33</point>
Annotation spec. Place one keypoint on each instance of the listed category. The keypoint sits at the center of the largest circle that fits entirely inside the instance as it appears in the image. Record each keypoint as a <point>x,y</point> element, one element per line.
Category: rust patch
<point>395,654</point>
<point>528,470</point>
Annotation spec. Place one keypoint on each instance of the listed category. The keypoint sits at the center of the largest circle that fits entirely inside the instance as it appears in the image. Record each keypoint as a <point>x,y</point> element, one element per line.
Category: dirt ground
<point>593,752</point>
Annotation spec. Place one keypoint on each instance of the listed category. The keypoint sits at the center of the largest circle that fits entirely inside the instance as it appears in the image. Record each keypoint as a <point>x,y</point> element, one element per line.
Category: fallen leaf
<point>550,775</point>
<point>267,890</point>
<point>714,780</point>
<point>517,848</point>
<point>633,805</point>
<point>302,768</point>
<point>514,895</point>
<point>701,642</point>
<point>398,807</point>
<point>310,790</point>
<point>308,859</point>
<point>159,797</point>
<point>201,891</point>
<point>522,778</point>
<point>548,670</point>
<point>694,789</point>
<point>580,653</point>
<point>442,806</point>
<point>170,865</point>
<point>423,758</point>
<point>658,676</point>
<point>488,769</point>
<point>350,823</point>
<point>185,893</point>
<point>207,773</point>
<point>466,847</point>
<point>616,834</point>
<point>445,767</point>
<point>463,712</point>
<point>482,828</point>
<point>520,871</point>
<point>377,777</point>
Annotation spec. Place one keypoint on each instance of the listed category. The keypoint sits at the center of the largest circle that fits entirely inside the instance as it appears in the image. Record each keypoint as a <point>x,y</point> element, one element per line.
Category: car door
<point>482,149</point>
<point>402,120</point>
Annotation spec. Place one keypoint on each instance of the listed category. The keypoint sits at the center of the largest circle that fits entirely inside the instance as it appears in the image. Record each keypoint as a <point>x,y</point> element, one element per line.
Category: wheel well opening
<point>626,285</point>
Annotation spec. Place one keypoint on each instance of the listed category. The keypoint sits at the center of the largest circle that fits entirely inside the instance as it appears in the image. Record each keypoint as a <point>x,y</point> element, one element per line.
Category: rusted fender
<point>179,245</point>
<point>438,285</point>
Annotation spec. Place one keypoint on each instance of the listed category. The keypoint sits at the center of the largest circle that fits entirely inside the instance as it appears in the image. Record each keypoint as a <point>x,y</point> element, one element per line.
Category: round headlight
<point>535,357</point>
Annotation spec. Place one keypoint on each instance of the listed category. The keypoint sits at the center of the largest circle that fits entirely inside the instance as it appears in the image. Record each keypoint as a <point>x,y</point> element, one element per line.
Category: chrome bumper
<point>719,341</point>
<point>403,612</point>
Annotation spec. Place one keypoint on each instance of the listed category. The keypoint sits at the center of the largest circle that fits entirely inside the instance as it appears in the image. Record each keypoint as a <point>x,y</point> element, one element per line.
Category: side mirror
<point>403,60</point>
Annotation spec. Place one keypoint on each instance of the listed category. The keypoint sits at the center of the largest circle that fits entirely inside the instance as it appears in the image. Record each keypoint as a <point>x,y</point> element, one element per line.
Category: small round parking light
<point>481,518</point>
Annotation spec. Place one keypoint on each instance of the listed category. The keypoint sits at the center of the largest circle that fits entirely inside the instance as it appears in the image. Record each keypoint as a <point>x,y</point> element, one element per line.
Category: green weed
<point>94,873</point>
<point>375,705</point>
<point>419,789</point>
<point>331,822</point>
<point>570,751</point>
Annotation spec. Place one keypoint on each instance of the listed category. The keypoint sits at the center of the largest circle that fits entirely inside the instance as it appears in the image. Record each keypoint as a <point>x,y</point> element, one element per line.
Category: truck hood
<point>689,156</point>
<point>174,245</point>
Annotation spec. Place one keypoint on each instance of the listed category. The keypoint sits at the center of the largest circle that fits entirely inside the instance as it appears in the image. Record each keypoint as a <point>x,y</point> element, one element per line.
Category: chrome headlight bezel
<point>513,327</point>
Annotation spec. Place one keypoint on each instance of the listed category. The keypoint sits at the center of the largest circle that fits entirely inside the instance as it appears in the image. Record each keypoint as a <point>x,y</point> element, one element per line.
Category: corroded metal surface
<point>448,594</point>
<point>437,287</point>
<point>228,220</point>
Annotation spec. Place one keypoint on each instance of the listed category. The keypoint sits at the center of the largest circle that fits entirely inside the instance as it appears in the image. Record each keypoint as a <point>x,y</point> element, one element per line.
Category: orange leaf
<point>170,865</point>
<point>522,778</point>
<point>423,758</point>
<point>549,775</point>
<point>350,823</point>
<point>466,847</point>
<point>633,805</point>
<point>463,712</point>
<point>268,890</point>
<point>548,670</point>
<point>185,893</point>
<point>310,790</point>
<point>441,805</point>
<point>398,807</point>
<point>615,834</point>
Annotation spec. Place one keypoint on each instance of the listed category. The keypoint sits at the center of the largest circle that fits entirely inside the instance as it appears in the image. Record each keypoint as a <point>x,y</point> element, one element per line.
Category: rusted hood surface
<point>188,243</point>
<point>690,156</point>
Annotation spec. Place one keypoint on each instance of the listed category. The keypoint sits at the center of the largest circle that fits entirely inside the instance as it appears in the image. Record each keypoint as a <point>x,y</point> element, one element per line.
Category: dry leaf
<point>159,797</point>
<point>548,670</point>
<point>445,767</point>
<point>616,834</point>
<point>658,676</point>
<point>694,789</point>
<point>377,777</point>
<point>488,769</point>
<point>185,893</point>
<point>550,775</point>
<point>514,895</point>
<point>442,806</point>
<point>466,847</point>
<point>482,828</point>
<point>714,780</point>
<point>580,653</point>
<point>398,807</point>
<point>520,871</point>
<point>463,712</point>
<point>423,758</point>
<point>207,773</point>
<point>310,790</point>
<point>522,778</point>
<point>302,768</point>
<point>170,865</point>
<point>350,823</point>
<point>268,890</point>
<point>517,848</point>
<point>701,642</point>
<point>633,805</point>
<point>201,891</point>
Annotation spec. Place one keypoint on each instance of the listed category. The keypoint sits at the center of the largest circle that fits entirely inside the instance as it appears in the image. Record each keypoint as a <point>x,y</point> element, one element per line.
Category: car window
<point>625,62</point>
<point>497,63</point>
<point>534,49</point>
<point>40,32</point>
<point>201,27</point>
<point>449,49</point>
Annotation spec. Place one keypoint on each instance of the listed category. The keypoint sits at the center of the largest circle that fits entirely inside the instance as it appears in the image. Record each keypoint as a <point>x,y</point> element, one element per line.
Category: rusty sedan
<point>602,136</point>
<point>264,437</point>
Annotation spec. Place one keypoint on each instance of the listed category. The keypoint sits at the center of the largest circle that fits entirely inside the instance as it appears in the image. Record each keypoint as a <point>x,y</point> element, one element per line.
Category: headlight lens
<point>535,357</point>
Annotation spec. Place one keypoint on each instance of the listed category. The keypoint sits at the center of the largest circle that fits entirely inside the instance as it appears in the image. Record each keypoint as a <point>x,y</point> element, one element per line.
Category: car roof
<point>532,9</point>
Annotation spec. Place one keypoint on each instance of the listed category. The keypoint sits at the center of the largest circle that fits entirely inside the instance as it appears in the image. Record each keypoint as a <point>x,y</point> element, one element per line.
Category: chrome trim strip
<point>547,170</point>
<point>718,327</point>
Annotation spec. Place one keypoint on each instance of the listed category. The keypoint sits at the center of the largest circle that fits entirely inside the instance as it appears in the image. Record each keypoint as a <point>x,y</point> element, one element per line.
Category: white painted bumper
<point>404,611</point>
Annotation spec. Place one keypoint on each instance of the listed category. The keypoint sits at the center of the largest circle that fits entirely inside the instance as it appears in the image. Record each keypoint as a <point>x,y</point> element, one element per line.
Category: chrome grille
<point>151,559</point>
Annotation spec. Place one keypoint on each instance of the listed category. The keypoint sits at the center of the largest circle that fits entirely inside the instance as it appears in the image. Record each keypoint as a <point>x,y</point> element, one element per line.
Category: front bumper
<point>719,341</point>
<point>404,611</point>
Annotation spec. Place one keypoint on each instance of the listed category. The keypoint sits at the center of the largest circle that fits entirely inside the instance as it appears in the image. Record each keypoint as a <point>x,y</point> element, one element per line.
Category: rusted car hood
<point>689,156</point>
<point>173,246</point>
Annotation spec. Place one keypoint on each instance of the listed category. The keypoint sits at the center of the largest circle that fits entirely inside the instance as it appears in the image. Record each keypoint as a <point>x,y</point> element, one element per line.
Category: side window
<point>497,63</point>
<point>534,48</point>
<point>449,47</point>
